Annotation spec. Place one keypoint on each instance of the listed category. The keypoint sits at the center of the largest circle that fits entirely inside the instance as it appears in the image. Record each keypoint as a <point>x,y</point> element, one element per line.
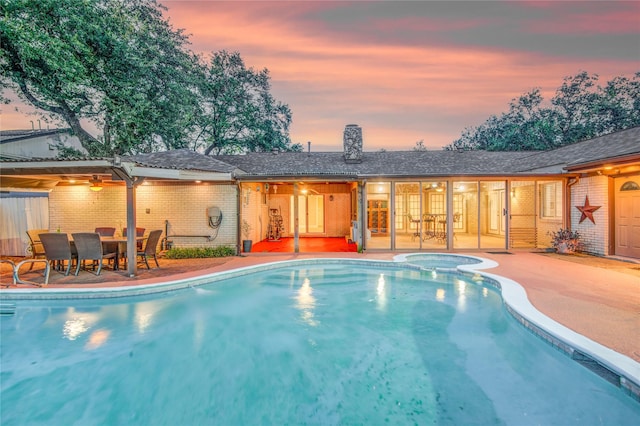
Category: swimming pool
<point>321,343</point>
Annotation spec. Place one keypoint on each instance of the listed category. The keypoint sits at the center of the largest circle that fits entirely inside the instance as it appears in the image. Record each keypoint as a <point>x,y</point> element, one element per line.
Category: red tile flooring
<point>306,245</point>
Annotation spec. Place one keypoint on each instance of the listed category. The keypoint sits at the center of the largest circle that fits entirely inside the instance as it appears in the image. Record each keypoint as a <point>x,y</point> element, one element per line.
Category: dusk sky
<point>409,71</point>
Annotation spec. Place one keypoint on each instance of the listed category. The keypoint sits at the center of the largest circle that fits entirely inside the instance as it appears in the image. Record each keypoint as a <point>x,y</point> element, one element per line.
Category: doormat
<point>498,252</point>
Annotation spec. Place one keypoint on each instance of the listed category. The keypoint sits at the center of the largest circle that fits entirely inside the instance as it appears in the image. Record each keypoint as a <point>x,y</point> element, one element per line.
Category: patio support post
<point>132,250</point>
<point>296,228</point>
<point>362,213</point>
<point>449,218</point>
<point>238,218</point>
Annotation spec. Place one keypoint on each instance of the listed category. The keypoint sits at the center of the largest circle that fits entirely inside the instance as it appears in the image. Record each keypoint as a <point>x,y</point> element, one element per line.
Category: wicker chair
<point>150,248</point>
<point>35,245</point>
<point>105,231</point>
<point>57,249</point>
<point>89,247</point>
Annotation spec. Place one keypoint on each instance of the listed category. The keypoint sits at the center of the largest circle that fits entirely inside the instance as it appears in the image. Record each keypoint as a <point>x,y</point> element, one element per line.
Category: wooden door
<point>378,217</point>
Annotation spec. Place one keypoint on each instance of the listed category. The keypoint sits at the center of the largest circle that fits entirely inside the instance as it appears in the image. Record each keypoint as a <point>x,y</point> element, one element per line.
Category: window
<point>551,200</point>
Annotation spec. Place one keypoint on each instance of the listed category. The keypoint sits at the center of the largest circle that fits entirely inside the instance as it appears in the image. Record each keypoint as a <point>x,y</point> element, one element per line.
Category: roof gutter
<point>592,165</point>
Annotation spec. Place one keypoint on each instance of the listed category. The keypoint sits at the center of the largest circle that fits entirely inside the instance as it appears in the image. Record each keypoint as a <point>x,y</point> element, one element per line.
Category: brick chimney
<point>352,140</point>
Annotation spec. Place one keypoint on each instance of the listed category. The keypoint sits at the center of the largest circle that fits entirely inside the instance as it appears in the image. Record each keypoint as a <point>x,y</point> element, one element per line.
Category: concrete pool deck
<point>596,297</point>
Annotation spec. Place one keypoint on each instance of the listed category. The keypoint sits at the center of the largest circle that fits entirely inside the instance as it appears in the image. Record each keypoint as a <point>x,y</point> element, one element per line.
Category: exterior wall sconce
<point>96,184</point>
<point>513,192</point>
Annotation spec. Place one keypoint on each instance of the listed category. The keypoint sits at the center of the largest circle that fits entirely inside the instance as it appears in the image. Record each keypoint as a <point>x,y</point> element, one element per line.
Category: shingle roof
<point>388,163</point>
<point>607,147</point>
<point>181,159</point>
<point>7,136</point>
<point>438,163</point>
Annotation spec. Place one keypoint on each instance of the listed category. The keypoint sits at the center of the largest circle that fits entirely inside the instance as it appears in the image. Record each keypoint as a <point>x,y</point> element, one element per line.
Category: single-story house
<point>388,200</point>
<point>38,143</point>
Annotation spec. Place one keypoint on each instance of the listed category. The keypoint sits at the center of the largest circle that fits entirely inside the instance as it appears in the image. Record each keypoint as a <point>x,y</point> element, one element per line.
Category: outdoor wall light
<point>96,184</point>
<point>513,192</point>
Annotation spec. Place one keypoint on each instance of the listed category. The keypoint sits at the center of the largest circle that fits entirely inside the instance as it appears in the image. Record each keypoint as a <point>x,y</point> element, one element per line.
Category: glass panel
<point>551,200</point>
<point>434,215</point>
<point>522,214</point>
<point>378,232</point>
<point>465,215</point>
<point>407,215</point>
<point>492,215</point>
<point>550,216</point>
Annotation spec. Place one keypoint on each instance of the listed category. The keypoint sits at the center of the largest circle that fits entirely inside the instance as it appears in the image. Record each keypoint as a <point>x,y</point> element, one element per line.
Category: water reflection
<point>306,302</point>
<point>73,328</point>
<point>77,323</point>
<point>462,296</point>
<point>144,315</point>
<point>382,294</point>
<point>97,339</point>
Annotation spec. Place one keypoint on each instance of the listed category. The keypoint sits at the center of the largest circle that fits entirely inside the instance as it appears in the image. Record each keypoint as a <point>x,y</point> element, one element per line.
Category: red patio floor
<point>306,245</point>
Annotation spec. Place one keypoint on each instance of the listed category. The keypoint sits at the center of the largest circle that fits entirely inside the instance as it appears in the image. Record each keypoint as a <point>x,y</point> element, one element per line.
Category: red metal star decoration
<point>587,210</point>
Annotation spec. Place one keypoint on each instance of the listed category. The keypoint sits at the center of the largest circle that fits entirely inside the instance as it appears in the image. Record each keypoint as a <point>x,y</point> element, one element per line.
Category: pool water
<point>440,261</point>
<point>318,345</point>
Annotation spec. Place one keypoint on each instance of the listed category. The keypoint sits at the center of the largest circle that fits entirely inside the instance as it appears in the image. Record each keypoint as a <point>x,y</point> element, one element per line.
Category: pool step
<point>7,308</point>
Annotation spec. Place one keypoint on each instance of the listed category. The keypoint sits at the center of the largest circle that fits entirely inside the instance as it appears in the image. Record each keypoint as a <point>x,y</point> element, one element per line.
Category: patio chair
<point>415,222</point>
<point>89,247</point>
<point>106,231</point>
<point>35,246</point>
<point>57,249</point>
<point>150,247</point>
<point>108,247</point>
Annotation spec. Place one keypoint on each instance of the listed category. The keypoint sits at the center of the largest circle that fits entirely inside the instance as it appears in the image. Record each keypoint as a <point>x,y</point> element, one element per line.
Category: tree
<point>239,113</point>
<point>420,146</point>
<point>115,65</point>
<point>579,110</point>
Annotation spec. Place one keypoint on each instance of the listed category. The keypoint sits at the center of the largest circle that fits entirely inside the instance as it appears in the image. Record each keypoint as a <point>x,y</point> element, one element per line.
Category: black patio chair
<point>57,250</point>
<point>89,247</point>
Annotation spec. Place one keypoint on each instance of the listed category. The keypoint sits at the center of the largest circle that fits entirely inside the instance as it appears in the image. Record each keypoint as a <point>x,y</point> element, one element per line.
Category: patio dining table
<point>121,246</point>
<point>120,243</point>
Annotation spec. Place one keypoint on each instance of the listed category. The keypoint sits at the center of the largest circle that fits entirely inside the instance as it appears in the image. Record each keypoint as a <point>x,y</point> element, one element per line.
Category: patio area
<point>596,297</point>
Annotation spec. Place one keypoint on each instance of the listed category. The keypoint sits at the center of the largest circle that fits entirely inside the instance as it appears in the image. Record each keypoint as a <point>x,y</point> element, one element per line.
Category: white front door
<point>628,216</point>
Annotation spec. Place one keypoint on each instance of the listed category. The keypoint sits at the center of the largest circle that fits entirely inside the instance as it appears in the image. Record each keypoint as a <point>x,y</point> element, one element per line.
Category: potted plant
<point>565,240</point>
<point>246,233</point>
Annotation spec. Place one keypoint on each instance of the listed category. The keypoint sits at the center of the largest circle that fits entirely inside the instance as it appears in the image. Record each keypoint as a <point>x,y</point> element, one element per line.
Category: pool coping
<point>576,346</point>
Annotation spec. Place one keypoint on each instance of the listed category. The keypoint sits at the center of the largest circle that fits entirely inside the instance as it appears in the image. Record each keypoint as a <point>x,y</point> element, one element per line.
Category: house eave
<point>176,174</point>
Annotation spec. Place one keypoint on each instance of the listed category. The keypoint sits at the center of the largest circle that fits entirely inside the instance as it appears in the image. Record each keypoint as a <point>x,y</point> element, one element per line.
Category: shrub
<point>199,252</point>
<point>566,237</point>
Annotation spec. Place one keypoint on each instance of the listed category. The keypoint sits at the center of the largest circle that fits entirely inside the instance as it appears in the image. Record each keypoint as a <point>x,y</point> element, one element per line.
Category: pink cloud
<point>597,17</point>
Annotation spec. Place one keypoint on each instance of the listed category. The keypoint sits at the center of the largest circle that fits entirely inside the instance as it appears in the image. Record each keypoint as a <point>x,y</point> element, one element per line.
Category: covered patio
<point>122,193</point>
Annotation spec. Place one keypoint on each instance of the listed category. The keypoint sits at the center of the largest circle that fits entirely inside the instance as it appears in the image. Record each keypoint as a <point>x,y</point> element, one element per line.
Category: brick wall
<point>75,209</point>
<point>595,237</point>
